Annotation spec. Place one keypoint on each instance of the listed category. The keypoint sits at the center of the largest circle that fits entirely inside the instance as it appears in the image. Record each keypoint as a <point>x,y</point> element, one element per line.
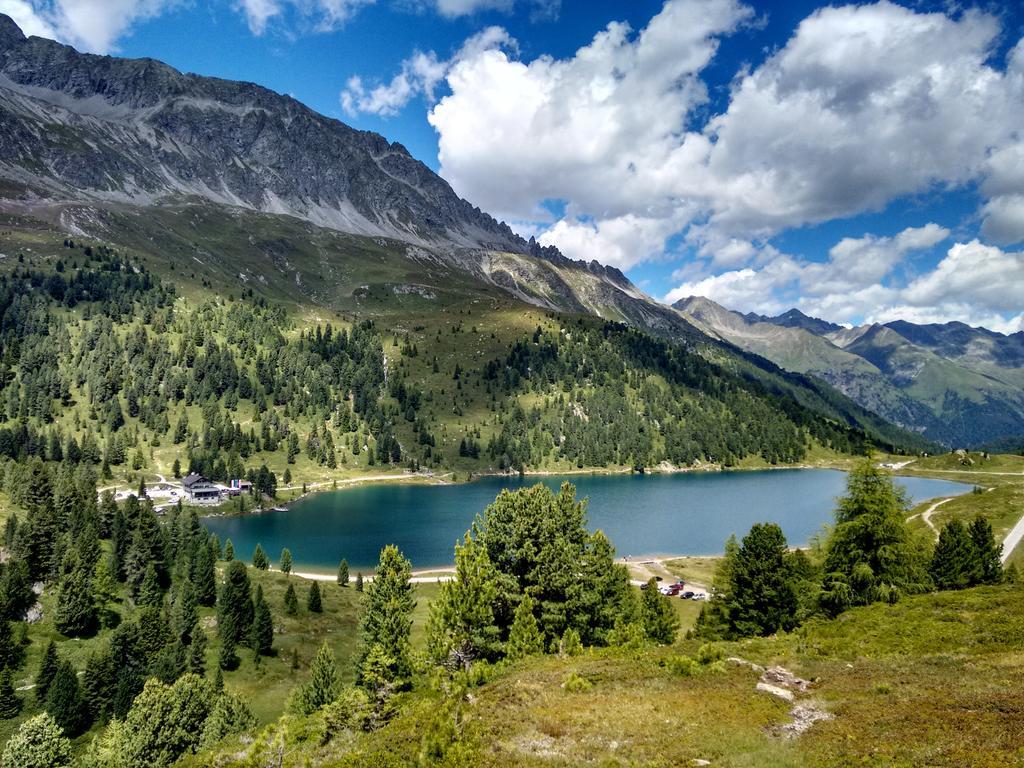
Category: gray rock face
<point>77,126</point>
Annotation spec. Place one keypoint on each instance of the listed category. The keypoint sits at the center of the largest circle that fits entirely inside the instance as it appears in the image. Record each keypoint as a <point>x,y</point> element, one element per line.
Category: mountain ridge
<point>955,384</point>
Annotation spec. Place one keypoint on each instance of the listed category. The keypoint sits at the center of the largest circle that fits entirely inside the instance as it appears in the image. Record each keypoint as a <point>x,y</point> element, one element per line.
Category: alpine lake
<point>685,513</point>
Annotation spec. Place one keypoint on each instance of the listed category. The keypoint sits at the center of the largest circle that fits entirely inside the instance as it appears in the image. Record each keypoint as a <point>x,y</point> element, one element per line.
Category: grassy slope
<point>934,680</point>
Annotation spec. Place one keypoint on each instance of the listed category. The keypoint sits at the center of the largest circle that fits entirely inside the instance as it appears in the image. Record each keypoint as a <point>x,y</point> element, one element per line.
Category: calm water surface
<point>684,513</point>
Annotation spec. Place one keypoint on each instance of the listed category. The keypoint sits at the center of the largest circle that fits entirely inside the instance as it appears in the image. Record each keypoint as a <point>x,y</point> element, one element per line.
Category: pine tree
<point>989,568</point>
<point>286,561</point>
<point>75,615</point>
<point>291,602</point>
<point>524,637</point>
<point>262,626</point>
<point>229,551</point>
<point>99,684</point>
<point>359,582</point>
<point>387,618</point>
<point>64,700</point>
<point>234,603</point>
<point>343,573</point>
<point>259,559</point>
<point>324,682</point>
<point>10,704</point>
<point>204,576</point>
<point>150,592</point>
<point>313,603</point>
<point>461,626</point>
<point>955,562</point>
<point>11,651</point>
<point>659,618</point>
<point>197,652</point>
<point>228,658</point>
<point>47,669</point>
<point>761,597</point>
<point>870,545</point>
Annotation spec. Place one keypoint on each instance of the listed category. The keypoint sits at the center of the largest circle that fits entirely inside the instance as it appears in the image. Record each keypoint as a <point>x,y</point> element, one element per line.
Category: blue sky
<point>861,161</point>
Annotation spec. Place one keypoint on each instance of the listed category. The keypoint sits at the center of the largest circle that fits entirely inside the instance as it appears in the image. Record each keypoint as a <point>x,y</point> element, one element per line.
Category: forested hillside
<point>105,364</point>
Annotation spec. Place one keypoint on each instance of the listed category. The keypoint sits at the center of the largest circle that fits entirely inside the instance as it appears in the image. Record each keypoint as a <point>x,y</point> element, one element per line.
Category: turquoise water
<point>684,513</point>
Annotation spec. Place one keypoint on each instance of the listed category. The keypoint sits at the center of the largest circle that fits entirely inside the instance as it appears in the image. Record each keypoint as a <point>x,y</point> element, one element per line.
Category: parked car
<point>699,596</point>
<point>687,595</point>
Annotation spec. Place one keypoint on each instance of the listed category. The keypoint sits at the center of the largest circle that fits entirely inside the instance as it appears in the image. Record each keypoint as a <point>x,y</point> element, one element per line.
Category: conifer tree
<point>228,658</point>
<point>387,618</point>
<point>150,593</point>
<point>955,562</point>
<point>262,626</point>
<point>870,546</point>
<point>461,625</point>
<point>105,590</point>
<point>324,683</point>
<point>11,650</point>
<point>660,621</point>
<point>313,602</point>
<point>761,598</point>
<point>234,603</point>
<point>75,615</point>
<point>39,743</point>
<point>197,652</point>
<point>286,561</point>
<point>343,573</point>
<point>988,552</point>
<point>291,602</point>
<point>229,551</point>
<point>359,582</point>
<point>524,638</point>
<point>64,700</point>
<point>47,669</point>
<point>204,577</point>
<point>10,704</point>
<point>99,684</point>
<point>259,559</point>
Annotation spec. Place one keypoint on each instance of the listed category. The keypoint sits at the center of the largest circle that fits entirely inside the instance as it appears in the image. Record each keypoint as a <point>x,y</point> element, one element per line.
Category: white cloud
<point>91,25</point>
<point>973,282</point>
<point>258,13</point>
<point>863,105</point>
<point>622,242</point>
<point>972,273</point>
<point>598,129</point>
<point>27,17</point>
<point>318,15</point>
<point>465,7</point>
<point>419,76</point>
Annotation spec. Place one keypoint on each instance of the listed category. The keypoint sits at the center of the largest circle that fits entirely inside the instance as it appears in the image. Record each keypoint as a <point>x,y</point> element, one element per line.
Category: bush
<point>683,666</point>
<point>709,653</point>
<point>577,684</point>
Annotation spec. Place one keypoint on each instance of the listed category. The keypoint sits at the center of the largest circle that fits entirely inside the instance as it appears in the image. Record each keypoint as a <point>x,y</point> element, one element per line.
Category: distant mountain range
<point>956,385</point>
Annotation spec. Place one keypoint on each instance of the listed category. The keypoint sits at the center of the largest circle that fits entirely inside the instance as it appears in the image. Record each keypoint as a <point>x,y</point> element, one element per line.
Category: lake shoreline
<point>432,479</point>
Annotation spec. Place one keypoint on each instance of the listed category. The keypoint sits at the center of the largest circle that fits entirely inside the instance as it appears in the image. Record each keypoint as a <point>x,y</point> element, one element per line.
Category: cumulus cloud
<point>973,282</point>
<point>419,76</point>
<point>91,25</point>
<point>597,129</point>
<point>862,105</point>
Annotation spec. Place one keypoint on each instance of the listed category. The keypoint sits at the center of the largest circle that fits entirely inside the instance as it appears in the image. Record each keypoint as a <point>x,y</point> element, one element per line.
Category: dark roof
<point>193,480</point>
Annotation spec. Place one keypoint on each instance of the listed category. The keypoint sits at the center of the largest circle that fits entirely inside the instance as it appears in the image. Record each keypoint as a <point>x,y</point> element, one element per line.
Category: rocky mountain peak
<point>10,33</point>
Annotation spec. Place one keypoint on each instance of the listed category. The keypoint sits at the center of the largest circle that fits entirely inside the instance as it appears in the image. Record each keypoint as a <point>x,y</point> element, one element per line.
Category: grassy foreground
<point>934,680</point>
